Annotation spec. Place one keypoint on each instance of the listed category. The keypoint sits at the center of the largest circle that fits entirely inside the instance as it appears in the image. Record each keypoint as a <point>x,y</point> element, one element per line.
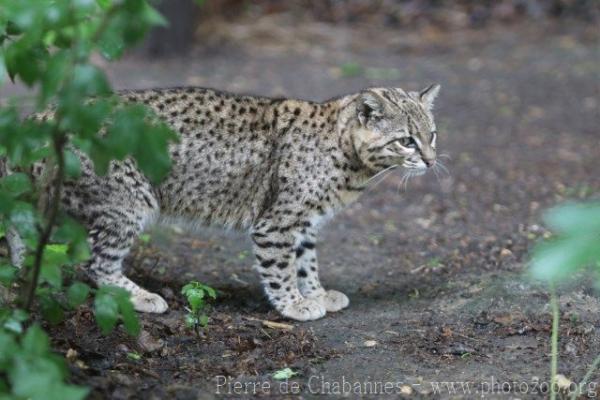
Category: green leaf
<point>152,156</point>
<point>284,374</point>
<point>13,320</point>
<point>211,292</point>
<point>186,288</point>
<point>576,245</point>
<point>75,235</point>
<point>25,62</point>
<point>130,319</point>
<point>152,17</point>
<point>559,259</point>
<point>88,80</point>
<point>3,71</point>
<point>106,310</point>
<point>111,302</point>
<point>54,258</point>
<point>8,274</point>
<point>105,4</point>
<point>195,293</point>
<point>134,356</point>
<point>203,320</point>
<point>59,249</point>
<point>61,391</point>
<point>15,184</point>
<point>195,299</point>
<point>22,217</point>
<point>191,320</point>
<point>77,294</point>
<point>574,218</point>
<point>54,75</point>
<point>41,378</point>
<point>72,165</point>
<point>85,118</point>
<point>111,42</point>
<point>8,347</point>
<point>35,342</point>
<point>51,308</point>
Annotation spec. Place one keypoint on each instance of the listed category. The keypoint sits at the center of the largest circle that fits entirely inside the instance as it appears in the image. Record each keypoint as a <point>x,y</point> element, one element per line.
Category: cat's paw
<point>333,300</point>
<point>304,310</point>
<point>148,302</point>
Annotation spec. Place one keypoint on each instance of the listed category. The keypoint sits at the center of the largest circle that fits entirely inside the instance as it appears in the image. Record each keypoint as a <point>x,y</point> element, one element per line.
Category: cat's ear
<point>428,95</point>
<point>369,106</point>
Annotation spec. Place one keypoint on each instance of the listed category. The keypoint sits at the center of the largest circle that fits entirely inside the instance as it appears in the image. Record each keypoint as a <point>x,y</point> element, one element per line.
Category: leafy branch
<point>45,233</point>
<point>47,46</point>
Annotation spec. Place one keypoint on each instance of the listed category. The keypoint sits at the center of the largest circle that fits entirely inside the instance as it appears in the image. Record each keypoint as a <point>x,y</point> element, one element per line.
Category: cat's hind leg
<point>115,209</point>
<point>111,236</point>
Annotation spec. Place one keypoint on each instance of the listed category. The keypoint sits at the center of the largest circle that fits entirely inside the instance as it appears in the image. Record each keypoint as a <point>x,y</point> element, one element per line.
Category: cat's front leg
<point>274,249</point>
<point>308,276</point>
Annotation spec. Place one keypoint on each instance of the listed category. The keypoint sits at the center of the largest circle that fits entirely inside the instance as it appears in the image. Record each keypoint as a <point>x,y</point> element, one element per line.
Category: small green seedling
<point>434,263</point>
<point>196,294</point>
<point>145,238</point>
<point>135,356</point>
<point>284,374</point>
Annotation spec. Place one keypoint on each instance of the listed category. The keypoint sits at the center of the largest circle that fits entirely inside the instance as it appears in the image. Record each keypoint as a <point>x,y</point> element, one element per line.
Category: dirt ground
<point>434,271</point>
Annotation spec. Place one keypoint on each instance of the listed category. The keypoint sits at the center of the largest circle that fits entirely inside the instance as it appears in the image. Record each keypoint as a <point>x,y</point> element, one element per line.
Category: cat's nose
<point>429,163</point>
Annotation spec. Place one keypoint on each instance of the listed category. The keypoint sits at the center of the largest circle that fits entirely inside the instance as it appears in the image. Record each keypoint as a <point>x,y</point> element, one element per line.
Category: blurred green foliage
<point>48,45</point>
<point>575,246</point>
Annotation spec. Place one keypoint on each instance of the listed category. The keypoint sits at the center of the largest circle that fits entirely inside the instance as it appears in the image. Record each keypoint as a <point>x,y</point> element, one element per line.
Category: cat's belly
<point>225,200</point>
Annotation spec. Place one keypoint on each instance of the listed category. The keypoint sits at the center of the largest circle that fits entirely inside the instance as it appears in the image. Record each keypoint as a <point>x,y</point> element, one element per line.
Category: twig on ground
<point>272,324</point>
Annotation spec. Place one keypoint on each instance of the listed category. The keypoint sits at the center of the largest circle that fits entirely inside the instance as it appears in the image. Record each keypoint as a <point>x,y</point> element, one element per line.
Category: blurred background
<point>434,270</point>
<point>289,48</point>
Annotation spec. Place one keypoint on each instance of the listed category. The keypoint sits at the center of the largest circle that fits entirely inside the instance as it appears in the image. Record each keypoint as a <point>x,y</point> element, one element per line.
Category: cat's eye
<point>409,142</point>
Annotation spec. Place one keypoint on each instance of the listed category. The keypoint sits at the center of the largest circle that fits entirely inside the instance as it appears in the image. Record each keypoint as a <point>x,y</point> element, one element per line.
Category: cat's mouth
<point>417,171</point>
<point>417,168</point>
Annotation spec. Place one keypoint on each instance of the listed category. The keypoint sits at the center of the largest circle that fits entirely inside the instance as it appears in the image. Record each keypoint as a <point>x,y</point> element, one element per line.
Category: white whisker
<point>380,173</point>
<point>444,169</point>
<point>436,171</point>
<point>401,183</point>
<point>409,175</point>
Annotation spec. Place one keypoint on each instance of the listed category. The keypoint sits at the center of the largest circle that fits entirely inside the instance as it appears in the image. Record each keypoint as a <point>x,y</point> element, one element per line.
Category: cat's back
<point>223,160</point>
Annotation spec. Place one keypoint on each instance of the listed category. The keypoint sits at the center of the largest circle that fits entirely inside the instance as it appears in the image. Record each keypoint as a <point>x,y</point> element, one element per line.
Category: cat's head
<point>393,127</point>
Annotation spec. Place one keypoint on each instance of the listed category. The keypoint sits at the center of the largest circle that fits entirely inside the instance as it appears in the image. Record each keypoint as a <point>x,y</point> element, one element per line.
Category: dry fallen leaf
<point>503,319</point>
<point>149,343</point>
<point>405,389</point>
<point>72,355</point>
<point>563,382</point>
<point>446,331</point>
